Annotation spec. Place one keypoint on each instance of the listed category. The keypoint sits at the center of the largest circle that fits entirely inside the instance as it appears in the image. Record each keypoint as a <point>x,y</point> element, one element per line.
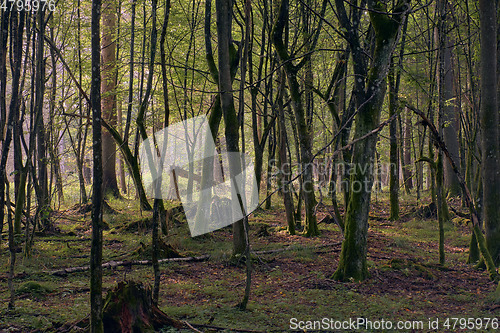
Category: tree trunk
<point>448,112</point>
<point>224,16</point>
<point>96,325</point>
<point>304,131</point>
<point>393,143</point>
<point>283,164</point>
<point>215,116</point>
<point>43,193</point>
<point>108,92</point>
<point>53,134</point>
<point>407,171</point>
<point>352,262</point>
<point>13,117</point>
<point>121,159</point>
<point>4,129</point>
<point>80,151</point>
<point>489,128</point>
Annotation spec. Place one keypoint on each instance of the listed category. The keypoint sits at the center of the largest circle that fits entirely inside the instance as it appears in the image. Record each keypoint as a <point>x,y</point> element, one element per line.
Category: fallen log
<point>114,264</point>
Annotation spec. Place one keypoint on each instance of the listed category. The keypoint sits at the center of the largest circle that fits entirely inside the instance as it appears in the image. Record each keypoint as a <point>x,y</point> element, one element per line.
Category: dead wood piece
<point>114,264</point>
<point>129,307</point>
<point>427,212</point>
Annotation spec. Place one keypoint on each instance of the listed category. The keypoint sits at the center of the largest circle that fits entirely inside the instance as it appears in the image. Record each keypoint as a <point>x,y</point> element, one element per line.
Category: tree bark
<point>304,131</point>
<point>448,111</point>
<point>407,171</point>
<point>352,262</point>
<point>96,325</point>
<point>283,163</point>
<point>489,128</point>
<point>224,15</point>
<point>108,93</point>
<point>393,146</point>
<point>43,193</point>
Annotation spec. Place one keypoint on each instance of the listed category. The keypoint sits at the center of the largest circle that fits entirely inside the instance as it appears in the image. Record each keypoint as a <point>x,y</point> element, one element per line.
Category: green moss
<point>35,289</point>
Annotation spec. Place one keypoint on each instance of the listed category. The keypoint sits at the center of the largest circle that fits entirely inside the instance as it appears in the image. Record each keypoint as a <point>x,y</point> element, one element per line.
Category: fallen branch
<point>458,213</point>
<point>191,327</point>
<point>225,329</point>
<point>114,264</point>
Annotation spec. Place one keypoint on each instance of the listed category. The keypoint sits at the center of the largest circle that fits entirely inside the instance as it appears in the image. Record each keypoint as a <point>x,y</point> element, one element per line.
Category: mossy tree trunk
<point>489,128</point>
<point>352,264</point>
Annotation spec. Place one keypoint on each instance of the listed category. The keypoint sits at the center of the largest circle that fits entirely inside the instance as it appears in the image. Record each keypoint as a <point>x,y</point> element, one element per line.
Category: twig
<point>218,328</point>
<point>190,326</point>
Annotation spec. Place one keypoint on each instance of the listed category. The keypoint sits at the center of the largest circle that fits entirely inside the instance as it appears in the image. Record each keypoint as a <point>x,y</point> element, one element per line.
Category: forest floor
<point>406,282</point>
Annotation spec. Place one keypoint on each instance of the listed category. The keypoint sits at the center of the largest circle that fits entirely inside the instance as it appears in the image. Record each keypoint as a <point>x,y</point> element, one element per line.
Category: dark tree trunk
<point>224,18</point>
<point>489,128</point>
<point>17,28</point>
<point>393,143</point>
<point>96,325</point>
<point>407,171</point>
<point>81,139</point>
<point>43,193</point>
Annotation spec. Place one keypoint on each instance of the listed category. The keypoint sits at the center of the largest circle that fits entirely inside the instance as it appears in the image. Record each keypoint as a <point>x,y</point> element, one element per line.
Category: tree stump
<point>129,308</point>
